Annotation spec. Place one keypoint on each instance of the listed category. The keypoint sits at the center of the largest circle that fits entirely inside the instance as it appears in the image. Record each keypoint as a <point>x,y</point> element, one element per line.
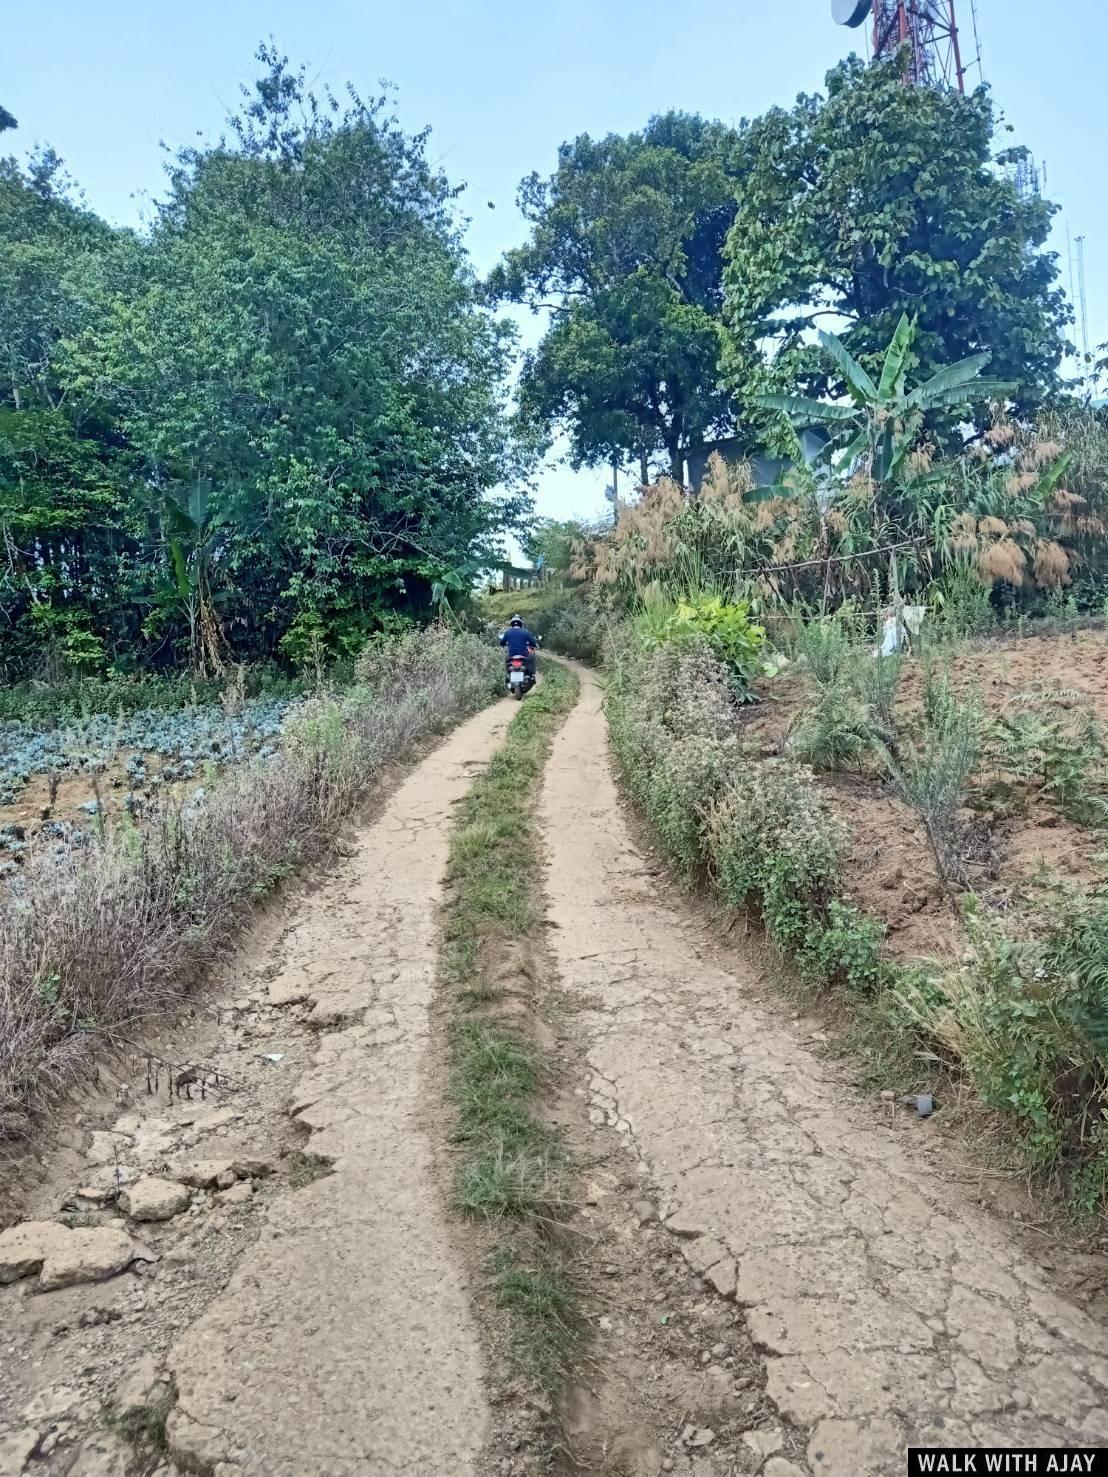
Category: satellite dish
<point>851,12</point>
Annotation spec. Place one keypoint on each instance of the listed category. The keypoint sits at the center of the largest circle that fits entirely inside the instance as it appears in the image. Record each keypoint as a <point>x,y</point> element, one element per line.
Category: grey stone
<point>134,1389</point>
<point>24,1248</point>
<point>16,1449</point>
<point>154,1199</point>
<point>87,1256</point>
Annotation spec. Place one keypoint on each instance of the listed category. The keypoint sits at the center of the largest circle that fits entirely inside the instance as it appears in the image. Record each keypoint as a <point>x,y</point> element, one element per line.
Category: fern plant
<point>1043,749</point>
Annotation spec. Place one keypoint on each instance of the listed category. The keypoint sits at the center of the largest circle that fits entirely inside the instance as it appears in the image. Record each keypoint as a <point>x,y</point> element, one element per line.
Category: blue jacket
<point>518,640</point>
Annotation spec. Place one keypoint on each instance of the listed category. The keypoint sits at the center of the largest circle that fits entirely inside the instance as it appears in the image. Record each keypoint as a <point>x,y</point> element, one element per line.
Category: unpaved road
<point>345,1343</point>
<point>888,1310</point>
<point>811,1299</point>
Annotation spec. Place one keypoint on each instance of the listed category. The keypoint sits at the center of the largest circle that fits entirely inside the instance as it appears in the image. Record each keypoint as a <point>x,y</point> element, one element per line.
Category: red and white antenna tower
<point>928,28</point>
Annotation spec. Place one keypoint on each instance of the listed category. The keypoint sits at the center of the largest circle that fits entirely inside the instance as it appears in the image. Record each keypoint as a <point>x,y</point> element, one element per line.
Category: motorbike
<point>517,678</point>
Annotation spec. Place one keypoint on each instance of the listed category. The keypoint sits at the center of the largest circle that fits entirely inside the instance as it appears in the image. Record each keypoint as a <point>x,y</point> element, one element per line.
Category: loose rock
<point>105,1148</point>
<point>24,1248</point>
<point>87,1256</point>
<point>103,1456</point>
<point>202,1174</point>
<point>154,1199</point>
<point>17,1448</point>
<point>133,1391</point>
<point>104,1185</point>
<point>51,1403</point>
<point>764,1443</point>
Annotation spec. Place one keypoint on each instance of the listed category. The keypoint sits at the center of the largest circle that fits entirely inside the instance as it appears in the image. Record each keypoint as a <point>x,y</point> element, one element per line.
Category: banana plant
<point>883,421</point>
<point>190,531</point>
<point>458,581</point>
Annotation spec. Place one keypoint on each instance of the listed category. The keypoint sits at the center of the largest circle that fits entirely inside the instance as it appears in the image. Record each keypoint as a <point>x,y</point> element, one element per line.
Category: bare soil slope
<point>889,870</point>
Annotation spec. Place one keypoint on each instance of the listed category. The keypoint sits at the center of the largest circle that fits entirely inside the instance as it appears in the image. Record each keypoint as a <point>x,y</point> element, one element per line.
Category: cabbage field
<point>58,782</point>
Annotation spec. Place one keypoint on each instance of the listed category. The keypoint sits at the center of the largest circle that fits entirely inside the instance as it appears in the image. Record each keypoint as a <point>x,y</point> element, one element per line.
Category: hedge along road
<point>889,1309</point>
<point>344,1342</point>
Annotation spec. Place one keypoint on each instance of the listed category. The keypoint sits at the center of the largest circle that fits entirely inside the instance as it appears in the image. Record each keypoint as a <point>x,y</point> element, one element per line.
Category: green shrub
<point>1027,1018</point>
<point>760,830</point>
<point>673,726</point>
<point>826,649</point>
<point>835,729</point>
<point>724,629</point>
<point>846,950</point>
<point>574,629</point>
<point>776,844</point>
<point>960,605</point>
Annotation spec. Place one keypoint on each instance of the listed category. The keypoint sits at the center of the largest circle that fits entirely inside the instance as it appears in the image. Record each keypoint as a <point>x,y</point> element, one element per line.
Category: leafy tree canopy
<point>878,200</point>
<point>625,252</point>
<point>552,540</point>
<point>300,398</point>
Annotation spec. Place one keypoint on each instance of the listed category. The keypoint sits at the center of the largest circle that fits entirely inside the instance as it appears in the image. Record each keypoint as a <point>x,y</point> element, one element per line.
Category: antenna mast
<point>928,28</point>
<point>1082,301</point>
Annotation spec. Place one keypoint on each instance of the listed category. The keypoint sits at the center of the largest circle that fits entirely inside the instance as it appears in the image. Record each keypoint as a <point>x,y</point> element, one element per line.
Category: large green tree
<point>877,200</point>
<point>69,523</point>
<point>294,373</point>
<point>625,253</point>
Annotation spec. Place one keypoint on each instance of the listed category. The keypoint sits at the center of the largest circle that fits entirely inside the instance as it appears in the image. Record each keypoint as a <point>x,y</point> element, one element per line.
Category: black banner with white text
<point>977,1461</point>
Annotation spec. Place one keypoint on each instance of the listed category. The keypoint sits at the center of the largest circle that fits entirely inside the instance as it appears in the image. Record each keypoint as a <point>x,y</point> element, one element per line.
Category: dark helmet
<point>516,620</point>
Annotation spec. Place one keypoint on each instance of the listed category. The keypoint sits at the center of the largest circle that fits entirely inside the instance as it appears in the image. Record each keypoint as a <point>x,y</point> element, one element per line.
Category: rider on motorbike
<point>519,642</point>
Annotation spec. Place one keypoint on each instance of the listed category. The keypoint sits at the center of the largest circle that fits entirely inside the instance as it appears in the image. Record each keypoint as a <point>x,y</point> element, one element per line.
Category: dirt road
<point>888,1309</point>
<point>344,1342</point>
<point>775,1280</point>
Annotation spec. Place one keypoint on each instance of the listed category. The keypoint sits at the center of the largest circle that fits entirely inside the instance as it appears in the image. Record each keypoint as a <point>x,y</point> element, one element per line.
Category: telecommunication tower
<point>928,28</point>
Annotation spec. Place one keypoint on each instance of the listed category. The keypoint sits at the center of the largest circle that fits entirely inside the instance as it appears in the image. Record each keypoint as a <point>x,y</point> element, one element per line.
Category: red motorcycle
<point>520,677</point>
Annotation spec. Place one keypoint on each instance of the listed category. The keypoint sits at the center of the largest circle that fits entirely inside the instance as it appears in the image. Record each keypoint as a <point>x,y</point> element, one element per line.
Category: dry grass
<point>118,932</point>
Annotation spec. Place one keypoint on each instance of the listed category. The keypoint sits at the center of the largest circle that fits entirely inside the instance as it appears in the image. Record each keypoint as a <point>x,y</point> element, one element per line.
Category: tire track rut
<point>344,1342</point>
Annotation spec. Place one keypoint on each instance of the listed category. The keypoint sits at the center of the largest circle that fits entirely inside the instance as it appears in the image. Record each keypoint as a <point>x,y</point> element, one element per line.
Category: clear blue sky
<point>502,82</point>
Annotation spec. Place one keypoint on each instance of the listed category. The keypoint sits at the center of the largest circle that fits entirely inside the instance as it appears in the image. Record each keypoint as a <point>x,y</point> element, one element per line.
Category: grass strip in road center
<point>512,1169</point>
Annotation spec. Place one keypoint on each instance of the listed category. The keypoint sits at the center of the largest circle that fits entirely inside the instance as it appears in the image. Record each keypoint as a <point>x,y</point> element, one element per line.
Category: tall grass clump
<point>932,775</point>
<point>761,833</point>
<point>112,934</point>
<point>835,730</point>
